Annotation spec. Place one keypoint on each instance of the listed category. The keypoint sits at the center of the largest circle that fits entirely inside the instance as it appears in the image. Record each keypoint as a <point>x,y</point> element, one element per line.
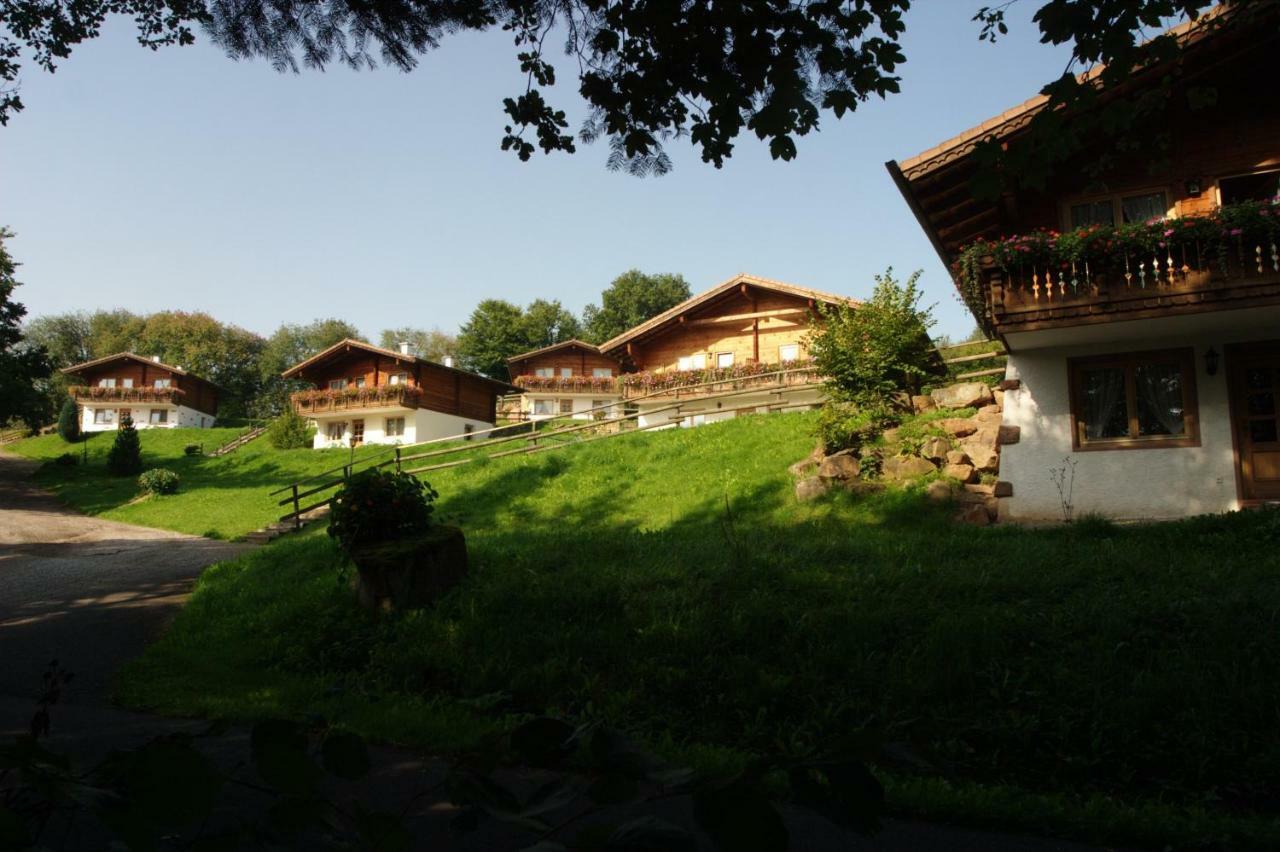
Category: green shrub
<point>69,421</point>
<point>192,450</point>
<point>159,480</point>
<point>289,431</point>
<point>67,460</point>
<point>871,352</point>
<point>376,506</point>
<point>125,456</point>
<point>845,426</point>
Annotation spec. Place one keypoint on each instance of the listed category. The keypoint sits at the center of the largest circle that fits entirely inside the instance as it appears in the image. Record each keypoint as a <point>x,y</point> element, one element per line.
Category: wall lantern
<point>1193,187</point>
<point>1211,361</point>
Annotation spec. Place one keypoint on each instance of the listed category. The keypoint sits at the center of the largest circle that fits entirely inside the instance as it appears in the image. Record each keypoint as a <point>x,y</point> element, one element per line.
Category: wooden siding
<point>196,392</point>
<point>582,361</point>
<point>711,331</point>
<point>443,389</point>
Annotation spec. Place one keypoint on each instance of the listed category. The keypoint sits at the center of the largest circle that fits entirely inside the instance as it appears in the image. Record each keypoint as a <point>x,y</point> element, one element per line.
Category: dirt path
<point>89,592</point>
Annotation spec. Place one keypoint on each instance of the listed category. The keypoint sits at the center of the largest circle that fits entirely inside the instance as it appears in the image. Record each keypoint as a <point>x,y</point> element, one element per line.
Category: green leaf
<point>651,834</point>
<point>280,756</point>
<point>345,755</point>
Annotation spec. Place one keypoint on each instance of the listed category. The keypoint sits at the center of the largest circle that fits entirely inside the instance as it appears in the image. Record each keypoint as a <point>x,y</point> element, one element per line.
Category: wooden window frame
<point>1185,357</point>
<point>162,383</point>
<point>1217,181</point>
<point>602,372</point>
<point>1117,202</point>
<point>561,405</point>
<point>164,416</point>
<point>544,372</point>
<point>337,384</point>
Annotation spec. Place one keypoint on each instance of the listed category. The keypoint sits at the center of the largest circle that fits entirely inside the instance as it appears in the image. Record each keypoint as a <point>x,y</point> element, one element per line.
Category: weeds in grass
<point>1064,479</point>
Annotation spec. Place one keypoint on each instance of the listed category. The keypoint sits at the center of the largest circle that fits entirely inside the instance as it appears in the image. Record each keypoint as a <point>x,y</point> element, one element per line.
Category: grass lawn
<point>222,497</point>
<point>1111,683</point>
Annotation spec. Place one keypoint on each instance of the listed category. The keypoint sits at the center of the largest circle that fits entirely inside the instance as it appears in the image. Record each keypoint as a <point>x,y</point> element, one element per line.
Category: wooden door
<point>357,432</point>
<point>1254,375</point>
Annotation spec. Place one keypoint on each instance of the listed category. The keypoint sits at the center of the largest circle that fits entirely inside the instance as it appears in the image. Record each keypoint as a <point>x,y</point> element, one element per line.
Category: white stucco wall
<point>582,404</point>
<point>695,412</point>
<point>1129,483</point>
<point>179,416</point>
<point>419,425</point>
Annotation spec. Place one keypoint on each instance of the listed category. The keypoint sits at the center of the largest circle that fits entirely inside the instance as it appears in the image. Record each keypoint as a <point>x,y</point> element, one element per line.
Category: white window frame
<point>566,372</point>
<point>339,426</point>
<point>398,379</point>
<point>724,360</point>
<point>544,407</point>
<point>602,372</point>
<point>126,383</point>
<point>692,362</point>
<point>393,427</point>
<point>162,383</point>
<point>788,352</point>
<point>106,383</point>
<point>104,416</point>
<point>545,372</point>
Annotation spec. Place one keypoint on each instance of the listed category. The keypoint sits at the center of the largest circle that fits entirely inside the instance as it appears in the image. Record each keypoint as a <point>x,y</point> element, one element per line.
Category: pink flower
<point>1235,232</point>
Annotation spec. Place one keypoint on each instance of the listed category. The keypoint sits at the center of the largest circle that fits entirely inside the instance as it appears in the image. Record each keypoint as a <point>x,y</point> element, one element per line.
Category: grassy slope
<point>670,583</point>
<point>220,497</point>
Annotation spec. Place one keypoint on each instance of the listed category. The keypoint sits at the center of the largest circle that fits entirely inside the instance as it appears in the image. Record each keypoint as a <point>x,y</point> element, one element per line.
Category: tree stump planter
<point>410,573</point>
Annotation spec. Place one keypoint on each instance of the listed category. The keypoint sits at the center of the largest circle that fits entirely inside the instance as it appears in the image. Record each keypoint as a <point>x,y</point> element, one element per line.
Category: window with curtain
<point>1118,209</point>
<point>1093,213</point>
<point>1144,207</point>
<point>1136,399</point>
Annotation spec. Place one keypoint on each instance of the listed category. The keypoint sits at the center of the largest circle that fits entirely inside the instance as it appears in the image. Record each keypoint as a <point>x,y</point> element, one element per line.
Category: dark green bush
<point>67,460</point>
<point>125,456</point>
<point>289,431</point>
<point>845,426</point>
<point>159,480</point>
<point>69,421</point>
<point>192,450</point>
<point>377,506</point>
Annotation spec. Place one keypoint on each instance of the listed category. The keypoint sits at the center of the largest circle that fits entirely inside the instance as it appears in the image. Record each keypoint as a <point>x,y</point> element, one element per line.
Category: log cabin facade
<point>154,395</point>
<point>567,379</point>
<point>745,336</point>
<point>364,394</point>
<point>1141,309</point>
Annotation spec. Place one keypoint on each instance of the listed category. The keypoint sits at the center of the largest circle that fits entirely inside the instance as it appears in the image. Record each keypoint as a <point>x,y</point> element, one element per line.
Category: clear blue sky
<point>181,179</point>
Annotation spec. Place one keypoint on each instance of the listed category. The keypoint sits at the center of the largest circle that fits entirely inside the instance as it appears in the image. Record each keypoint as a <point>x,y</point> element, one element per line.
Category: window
<point>104,415</point>
<point>358,381</point>
<point>337,384</point>
<point>398,379</point>
<point>126,383</point>
<point>159,415</point>
<point>692,362</point>
<point>106,383</point>
<point>545,372</point>
<point>602,372</point>
<point>1260,186</point>
<point>335,431</point>
<point>394,427</point>
<point>788,352</point>
<point>566,371</point>
<point>545,407</point>
<point>724,359</point>
<point>163,383</point>
<point>1136,399</point>
<point>566,406</point>
<point>602,411</point>
<point>1134,207</point>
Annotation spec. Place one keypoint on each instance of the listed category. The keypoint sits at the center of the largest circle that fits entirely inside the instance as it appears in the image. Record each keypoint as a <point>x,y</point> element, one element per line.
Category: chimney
<point>404,347</point>
<point>155,358</point>
<point>448,360</point>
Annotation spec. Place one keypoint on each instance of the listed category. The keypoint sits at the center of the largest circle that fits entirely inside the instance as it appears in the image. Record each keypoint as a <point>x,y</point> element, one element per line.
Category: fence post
<point>297,518</point>
<point>397,459</point>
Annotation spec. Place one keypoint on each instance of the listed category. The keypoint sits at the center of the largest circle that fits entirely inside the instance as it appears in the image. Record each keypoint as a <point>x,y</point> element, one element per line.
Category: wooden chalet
<point>1141,307</point>
<point>364,394</point>
<point>152,394</point>
<point>567,379</point>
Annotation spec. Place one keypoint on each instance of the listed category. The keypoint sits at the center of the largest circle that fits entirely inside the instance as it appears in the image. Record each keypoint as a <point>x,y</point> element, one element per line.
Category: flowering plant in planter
<point>378,394</point>
<point>592,384</point>
<point>376,506</point>
<point>657,381</point>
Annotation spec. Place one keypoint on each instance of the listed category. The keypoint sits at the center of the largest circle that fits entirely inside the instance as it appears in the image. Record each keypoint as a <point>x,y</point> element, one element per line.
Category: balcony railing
<point>569,384</point>
<point>684,384</point>
<point>1230,258</point>
<point>93,393</point>
<point>312,402</point>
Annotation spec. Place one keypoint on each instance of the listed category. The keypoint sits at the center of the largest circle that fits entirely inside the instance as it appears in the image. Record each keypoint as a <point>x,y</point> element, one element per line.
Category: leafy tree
<point>289,431</point>
<point>629,300</point>
<point>66,337</point>
<point>649,72</point>
<point>289,345</point>
<point>224,354</point>
<point>125,456</point>
<point>494,332</point>
<point>882,346</point>
<point>69,421</point>
<point>431,344</point>
<point>24,367</point>
<point>546,323</point>
<point>114,331</point>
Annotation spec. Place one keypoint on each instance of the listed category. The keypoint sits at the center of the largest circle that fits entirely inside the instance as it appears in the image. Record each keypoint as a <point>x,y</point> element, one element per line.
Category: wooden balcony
<point>603,385</point>
<point>692,384</point>
<point>153,395</point>
<point>1167,282</point>
<point>310,403</point>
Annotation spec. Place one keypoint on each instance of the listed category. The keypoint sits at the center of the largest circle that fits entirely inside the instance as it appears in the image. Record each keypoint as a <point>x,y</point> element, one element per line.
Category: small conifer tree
<point>69,421</point>
<point>125,455</point>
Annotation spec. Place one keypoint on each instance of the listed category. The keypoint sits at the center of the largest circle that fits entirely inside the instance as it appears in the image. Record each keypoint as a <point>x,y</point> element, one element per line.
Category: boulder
<point>1003,489</point>
<point>935,449</point>
<point>802,468</point>
<point>839,466</point>
<point>810,488</point>
<point>999,395</point>
<point>939,491</point>
<point>1010,384</point>
<point>891,435</point>
<point>862,486</point>
<point>989,410</point>
<point>957,457</point>
<point>957,426</point>
<point>981,489</point>
<point>819,451</point>
<point>962,472</point>
<point>410,573</point>
<point>967,395</point>
<point>974,515</point>
<point>922,403</point>
<point>1008,435</point>
<point>906,467</point>
<point>982,454</point>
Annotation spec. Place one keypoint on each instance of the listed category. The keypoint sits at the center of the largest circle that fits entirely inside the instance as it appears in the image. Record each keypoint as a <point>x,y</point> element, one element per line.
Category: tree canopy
<point>431,344</point>
<point>649,71</point>
<point>23,366</point>
<point>629,300</point>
